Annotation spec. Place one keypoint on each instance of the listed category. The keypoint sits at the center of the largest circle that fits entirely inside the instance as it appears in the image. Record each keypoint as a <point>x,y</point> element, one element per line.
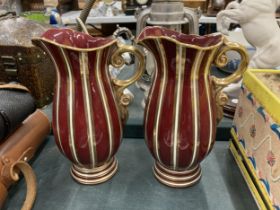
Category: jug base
<point>95,175</point>
<point>177,179</point>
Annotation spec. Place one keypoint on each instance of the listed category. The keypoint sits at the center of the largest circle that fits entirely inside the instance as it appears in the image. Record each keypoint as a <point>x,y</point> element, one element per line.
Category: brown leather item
<point>22,62</point>
<point>12,113</point>
<point>17,150</point>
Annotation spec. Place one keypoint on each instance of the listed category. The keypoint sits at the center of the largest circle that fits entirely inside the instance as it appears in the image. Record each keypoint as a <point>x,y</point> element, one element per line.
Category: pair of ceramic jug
<point>183,108</point>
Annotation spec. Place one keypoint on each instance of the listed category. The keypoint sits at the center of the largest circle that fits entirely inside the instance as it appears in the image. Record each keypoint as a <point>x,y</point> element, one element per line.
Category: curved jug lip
<point>208,41</point>
<point>74,40</point>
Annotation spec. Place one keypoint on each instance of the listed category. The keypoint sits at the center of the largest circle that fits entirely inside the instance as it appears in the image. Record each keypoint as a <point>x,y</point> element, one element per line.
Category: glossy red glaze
<point>86,119</point>
<point>60,90</point>
<point>180,127</point>
<point>186,144</point>
<point>205,118</point>
<point>79,116</point>
<point>148,116</point>
<point>112,102</point>
<point>167,109</point>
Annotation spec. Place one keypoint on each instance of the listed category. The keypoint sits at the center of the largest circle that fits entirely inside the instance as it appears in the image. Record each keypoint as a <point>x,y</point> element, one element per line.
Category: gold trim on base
<point>95,175</point>
<point>177,179</point>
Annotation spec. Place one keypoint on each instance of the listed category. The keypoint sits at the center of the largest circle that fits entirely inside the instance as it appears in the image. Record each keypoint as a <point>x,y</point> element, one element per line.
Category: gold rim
<point>179,173</point>
<point>181,43</point>
<point>75,48</point>
<point>177,179</point>
<point>95,169</point>
<point>96,175</point>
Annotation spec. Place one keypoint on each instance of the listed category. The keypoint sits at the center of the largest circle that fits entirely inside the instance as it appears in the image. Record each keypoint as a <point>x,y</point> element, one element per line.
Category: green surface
<point>36,16</point>
<point>134,187</point>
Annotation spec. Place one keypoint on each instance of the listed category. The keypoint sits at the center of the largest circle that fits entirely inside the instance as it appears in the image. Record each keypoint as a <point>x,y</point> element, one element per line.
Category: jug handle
<point>221,60</point>
<point>118,61</point>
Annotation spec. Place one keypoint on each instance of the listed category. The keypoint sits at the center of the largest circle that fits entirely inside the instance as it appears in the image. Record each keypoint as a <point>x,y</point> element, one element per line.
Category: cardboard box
<point>256,132</point>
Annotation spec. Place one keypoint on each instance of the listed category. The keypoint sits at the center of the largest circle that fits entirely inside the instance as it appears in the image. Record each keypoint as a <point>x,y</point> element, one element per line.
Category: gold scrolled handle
<point>221,60</point>
<point>118,61</point>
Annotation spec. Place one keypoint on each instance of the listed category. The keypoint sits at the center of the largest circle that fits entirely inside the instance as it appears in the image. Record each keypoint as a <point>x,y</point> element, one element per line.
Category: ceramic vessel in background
<point>89,107</point>
<point>185,102</point>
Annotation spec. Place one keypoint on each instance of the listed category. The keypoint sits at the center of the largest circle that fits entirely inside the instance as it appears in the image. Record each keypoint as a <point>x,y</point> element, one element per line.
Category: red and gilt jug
<point>89,107</point>
<point>185,101</point>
